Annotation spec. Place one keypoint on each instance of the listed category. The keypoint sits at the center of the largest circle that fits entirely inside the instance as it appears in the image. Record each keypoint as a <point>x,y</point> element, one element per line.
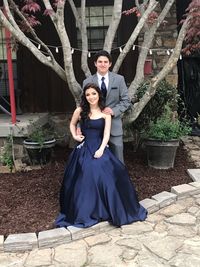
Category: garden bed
<point>29,201</point>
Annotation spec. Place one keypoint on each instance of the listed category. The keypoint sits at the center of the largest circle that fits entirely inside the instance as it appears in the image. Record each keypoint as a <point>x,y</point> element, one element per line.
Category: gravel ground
<point>29,200</point>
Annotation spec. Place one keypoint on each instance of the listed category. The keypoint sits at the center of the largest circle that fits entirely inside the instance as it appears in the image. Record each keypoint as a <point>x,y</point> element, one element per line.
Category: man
<point>117,101</point>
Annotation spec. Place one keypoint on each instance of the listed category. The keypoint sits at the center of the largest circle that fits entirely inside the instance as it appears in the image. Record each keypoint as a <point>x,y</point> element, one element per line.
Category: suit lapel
<point>95,79</point>
<point>111,78</point>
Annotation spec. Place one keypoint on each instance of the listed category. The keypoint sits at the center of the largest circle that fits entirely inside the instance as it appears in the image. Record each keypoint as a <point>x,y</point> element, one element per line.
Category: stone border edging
<point>54,237</point>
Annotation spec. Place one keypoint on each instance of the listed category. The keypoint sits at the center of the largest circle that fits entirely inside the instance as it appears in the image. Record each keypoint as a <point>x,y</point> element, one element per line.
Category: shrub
<point>167,127</point>
<point>165,93</point>
<point>6,156</point>
<point>40,134</point>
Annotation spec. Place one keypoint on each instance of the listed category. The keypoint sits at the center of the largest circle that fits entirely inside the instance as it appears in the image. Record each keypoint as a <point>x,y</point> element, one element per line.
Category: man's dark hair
<point>103,53</point>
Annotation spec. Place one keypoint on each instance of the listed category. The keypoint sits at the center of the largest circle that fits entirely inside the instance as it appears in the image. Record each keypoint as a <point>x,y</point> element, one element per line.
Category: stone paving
<point>169,237</point>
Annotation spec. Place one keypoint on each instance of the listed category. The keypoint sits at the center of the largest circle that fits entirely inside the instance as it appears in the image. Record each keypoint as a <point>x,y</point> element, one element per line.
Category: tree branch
<point>74,86</point>
<point>21,37</point>
<point>81,23</point>
<point>116,17</point>
<point>139,106</point>
<point>134,35</point>
<point>84,54</point>
<point>31,30</point>
<point>148,39</point>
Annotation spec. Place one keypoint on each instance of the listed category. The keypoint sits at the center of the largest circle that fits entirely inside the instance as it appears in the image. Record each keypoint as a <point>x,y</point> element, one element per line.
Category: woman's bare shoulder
<point>106,116</point>
<point>78,110</point>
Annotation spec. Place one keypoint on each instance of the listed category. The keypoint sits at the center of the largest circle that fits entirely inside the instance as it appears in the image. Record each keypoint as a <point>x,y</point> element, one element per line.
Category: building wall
<point>42,90</point>
<point>164,41</point>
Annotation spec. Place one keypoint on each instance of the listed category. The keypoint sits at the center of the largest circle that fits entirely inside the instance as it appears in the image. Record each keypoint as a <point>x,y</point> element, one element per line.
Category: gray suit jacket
<point>117,99</point>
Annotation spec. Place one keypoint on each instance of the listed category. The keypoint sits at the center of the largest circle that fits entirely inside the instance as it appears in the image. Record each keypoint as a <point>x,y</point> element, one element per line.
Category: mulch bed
<point>29,200</point>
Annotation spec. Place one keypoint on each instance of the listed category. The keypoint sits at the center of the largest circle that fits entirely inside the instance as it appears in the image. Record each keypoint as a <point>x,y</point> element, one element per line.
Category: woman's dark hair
<point>84,103</point>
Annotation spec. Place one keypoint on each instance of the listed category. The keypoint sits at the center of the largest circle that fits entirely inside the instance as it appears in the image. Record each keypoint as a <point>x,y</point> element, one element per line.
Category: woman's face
<point>92,96</point>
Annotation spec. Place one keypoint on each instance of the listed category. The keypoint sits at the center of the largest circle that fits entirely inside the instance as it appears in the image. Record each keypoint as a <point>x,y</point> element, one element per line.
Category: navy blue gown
<point>95,190</point>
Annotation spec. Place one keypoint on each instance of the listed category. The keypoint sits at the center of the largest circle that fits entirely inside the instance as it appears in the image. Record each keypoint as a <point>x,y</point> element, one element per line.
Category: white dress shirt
<point>106,81</point>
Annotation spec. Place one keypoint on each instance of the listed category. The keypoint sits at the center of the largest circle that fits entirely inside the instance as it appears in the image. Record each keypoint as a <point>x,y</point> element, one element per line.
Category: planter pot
<point>39,155</point>
<point>161,154</point>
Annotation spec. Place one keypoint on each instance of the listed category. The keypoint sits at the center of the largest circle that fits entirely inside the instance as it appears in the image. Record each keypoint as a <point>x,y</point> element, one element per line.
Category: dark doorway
<point>189,77</point>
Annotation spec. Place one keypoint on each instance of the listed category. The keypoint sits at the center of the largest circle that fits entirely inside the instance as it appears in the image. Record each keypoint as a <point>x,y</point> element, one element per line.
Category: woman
<point>96,186</point>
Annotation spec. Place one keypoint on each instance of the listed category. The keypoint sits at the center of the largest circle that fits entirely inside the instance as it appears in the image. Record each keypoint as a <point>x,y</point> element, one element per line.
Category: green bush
<point>151,120</point>
<point>6,157</point>
<point>40,134</point>
<point>165,93</point>
<point>167,127</point>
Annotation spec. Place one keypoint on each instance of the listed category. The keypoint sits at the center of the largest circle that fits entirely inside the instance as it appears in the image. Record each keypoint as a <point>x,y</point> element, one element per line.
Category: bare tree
<point>27,19</point>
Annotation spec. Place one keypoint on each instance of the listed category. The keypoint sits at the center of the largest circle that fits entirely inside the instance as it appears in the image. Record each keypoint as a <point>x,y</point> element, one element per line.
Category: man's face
<point>102,64</point>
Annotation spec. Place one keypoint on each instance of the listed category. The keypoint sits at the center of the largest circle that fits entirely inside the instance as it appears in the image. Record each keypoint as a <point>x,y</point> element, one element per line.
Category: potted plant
<point>165,93</point>
<point>39,143</point>
<point>162,139</point>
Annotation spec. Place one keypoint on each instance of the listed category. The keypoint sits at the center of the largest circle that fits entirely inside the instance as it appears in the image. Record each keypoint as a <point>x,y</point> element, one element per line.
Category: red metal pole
<point>10,76</point>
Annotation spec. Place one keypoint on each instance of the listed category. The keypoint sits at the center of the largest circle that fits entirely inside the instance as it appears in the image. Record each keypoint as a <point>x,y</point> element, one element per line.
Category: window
<point>97,21</point>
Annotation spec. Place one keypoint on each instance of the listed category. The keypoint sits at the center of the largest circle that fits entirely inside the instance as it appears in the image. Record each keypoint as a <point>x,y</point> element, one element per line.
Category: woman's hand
<point>79,137</point>
<point>78,131</point>
<point>98,153</point>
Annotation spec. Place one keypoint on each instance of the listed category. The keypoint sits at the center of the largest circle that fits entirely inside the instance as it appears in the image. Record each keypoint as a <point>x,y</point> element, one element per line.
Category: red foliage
<point>31,20</point>
<point>192,38</point>
<point>48,12</point>
<point>31,6</point>
<point>131,11</point>
<point>56,2</point>
<point>151,18</point>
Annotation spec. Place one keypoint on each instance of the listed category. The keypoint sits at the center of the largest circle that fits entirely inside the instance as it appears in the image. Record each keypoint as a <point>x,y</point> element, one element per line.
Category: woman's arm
<point>73,125</point>
<point>106,137</point>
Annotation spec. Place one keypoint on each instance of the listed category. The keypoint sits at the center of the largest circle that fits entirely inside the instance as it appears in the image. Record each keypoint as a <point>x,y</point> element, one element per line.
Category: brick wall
<point>165,39</point>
